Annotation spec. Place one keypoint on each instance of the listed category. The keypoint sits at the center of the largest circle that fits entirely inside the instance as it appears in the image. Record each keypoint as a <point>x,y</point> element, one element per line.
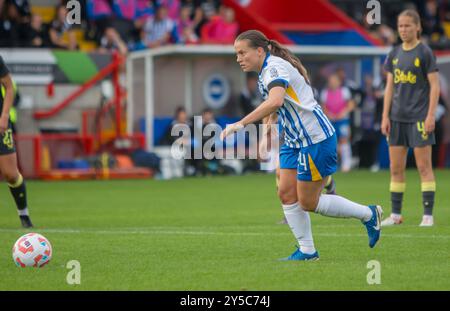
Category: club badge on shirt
<point>417,62</point>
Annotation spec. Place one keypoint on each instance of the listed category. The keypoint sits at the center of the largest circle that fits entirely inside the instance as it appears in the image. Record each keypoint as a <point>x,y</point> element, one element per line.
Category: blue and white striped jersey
<point>302,118</point>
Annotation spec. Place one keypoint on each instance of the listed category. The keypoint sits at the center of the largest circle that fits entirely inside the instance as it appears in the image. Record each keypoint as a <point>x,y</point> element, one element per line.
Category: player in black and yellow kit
<point>411,97</point>
<point>8,157</point>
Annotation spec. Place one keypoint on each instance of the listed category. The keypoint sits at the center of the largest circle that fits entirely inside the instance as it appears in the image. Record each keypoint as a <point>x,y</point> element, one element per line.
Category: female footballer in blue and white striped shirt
<point>309,149</point>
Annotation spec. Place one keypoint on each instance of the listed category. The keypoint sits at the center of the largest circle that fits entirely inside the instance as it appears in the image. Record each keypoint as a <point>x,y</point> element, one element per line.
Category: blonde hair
<point>415,17</point>
<point>258,39</point>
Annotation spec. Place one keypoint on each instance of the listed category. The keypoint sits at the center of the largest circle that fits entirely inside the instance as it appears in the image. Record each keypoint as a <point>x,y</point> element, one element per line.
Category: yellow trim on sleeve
<point>291,93</point>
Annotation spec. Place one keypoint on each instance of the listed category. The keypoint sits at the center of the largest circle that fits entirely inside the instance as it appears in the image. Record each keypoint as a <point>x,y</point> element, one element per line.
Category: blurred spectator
<point>347,82</point>
<point>111,41</point>
<point>207,118</point>
<point>125,16</point>
<point>196,13</point>
<point>250,97</point>
<point>158,30</point>
<point>185,27</point>
<point>210,7</point>
<point>98,9</point>
<point>230,26</point>
<point>205,166</point>
<point>99,14</point>
<point>200,124</point>
<point>212,22</point>
<point>192,5</point>
<point>144,10</point>
<point>61,32</point>
<point>432,26</point>
<point>337,102</point>
<point>173,8</point>
<point>11,25</point>
<point>382,31</point>
<point>124,9</point>
<point>355,90</point>
<point>386,34</point>
<point>36,34</point>
<point>180,117</point>
<point>191,166</point>
<point>23,8</point>
<point>202,11</point>
<point>371,110</point>
<point>221,28</point>
<point>433,13</point>
<point>441,112</point>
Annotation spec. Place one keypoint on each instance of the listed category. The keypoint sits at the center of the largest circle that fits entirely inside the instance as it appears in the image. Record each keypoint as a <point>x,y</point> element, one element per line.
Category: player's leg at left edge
<point>16,184</point>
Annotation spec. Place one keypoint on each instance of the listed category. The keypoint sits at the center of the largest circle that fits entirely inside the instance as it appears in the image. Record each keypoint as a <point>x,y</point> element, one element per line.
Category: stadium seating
<point>306,22</point>
<point>46,12</point>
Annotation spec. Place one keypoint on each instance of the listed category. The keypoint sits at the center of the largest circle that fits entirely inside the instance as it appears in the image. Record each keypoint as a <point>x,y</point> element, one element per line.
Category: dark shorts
<point>410,135</point>
<point>7,142</point>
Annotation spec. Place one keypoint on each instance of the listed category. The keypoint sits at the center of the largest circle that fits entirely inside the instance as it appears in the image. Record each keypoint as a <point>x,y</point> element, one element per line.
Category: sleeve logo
<point>273,72</point>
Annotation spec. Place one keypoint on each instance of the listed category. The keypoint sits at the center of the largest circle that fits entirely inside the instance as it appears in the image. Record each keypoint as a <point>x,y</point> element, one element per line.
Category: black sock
<point>396,201</point>
<point>20,195</point>
<point>331,186</point>
<point>397,189</point>
<point>428,202</point>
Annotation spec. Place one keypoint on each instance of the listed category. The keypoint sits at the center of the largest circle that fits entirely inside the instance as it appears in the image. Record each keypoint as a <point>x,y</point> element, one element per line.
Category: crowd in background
<point>120,25</point>
<point>150,24</point>
<point>434,13</point>
<point>140,24</point>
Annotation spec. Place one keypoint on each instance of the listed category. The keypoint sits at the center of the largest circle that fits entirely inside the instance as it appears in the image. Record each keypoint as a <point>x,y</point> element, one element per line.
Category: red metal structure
<point>112,69</point>
<point>313,16</point>
<point>87,143</point>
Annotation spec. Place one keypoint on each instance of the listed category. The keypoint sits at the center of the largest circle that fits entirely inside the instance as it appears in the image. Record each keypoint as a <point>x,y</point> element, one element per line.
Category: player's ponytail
<point>278,50</point>
<point>258,39</point>
<point>416,19</point>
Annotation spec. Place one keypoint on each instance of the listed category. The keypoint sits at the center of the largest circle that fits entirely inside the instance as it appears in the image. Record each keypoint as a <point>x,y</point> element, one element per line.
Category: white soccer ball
<point>32,250</point>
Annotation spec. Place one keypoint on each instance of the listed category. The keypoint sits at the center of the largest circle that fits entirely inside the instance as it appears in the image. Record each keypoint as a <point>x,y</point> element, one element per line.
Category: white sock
<point>396,216</point>
<point>300,224</point>
<point>346,155</point>
<point>23,212</point>
<point>337,206</point>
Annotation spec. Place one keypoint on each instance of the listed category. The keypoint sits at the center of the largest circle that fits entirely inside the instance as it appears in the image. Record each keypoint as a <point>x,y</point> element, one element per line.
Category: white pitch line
<point>180,232</point>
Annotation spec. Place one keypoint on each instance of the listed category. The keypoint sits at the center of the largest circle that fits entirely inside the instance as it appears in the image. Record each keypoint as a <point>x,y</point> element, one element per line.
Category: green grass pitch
<point>220,233</point>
